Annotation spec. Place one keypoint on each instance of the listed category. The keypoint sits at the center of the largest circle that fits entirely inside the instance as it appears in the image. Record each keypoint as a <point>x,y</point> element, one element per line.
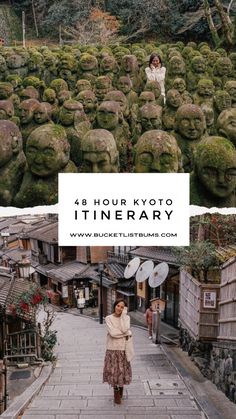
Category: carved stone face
<point>49,95</point>
<point>58,85</point>
<point>157,152</point>
<point>173,98</point>
<point>129,63</point>
<point>88,62</point>
<point>107,64</point>
<point>179,84</point>
<point>99,152</point>
<point>10,141</point>
<point>124,84</point>
<point>41,115</point>
<point>88,100</point>
<point>146,97</point>
<point>176,65</point>
<point>67,112</point>
<point>215,165</point>
<point>190,122</point>
<point>205,88</point>
<point>198,64</point>
<point>230,87</point>
<point>209,114</point>
<point>26,110</point>
<point>6,90</point>
<point>14,61</point>
<point>35,61</point>
<point>118,97</point>
<point>226,124</point>
<point>63,95</point>
<point>6,109</point>
<point>47,150</point>
<point>151,117</point>
<point>222,100</point>
<point>67,62</point>
<point>83,85</point>
<point>153,86</point>
<point>108,115</point>
<point>102,86</point>
<point>223,66</point>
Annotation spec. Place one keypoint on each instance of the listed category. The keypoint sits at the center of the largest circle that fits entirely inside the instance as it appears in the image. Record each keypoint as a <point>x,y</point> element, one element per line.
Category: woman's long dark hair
<point>152,56</point>
<point>119,300</point>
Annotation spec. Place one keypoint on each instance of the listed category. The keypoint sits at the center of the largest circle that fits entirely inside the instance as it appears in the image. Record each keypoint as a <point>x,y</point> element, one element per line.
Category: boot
<point>117,398</point>
<point>121,392</point>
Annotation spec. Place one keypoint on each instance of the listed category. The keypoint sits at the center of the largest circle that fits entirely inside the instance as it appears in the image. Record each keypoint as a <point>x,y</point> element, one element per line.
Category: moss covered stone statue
<point>76,124</point>
<point>47,154</point>
<point>110,117</point>
<point>99,152</point>
<point>213,181</point>
<point>12,162</point>
<point>173,102</point>
<point>190,126</point>
<point>226,124</point>
<point>157,152</point>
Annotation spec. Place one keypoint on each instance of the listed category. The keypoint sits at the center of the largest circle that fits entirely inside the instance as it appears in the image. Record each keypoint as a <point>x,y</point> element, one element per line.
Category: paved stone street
<point>75,389</point>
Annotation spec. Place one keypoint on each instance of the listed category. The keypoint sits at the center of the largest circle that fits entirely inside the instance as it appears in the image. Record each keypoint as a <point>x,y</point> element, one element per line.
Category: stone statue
<point>226,124</point>
<point>157,152</point>
<point>99,152</point>
<point>173,102</point>
<point>47,154</point>
<point>190,126</point>
<point>12,162</point>
<point>213,181</point>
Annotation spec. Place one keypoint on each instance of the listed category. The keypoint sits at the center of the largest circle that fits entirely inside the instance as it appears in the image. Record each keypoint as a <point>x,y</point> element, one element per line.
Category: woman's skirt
<point>117,370</point>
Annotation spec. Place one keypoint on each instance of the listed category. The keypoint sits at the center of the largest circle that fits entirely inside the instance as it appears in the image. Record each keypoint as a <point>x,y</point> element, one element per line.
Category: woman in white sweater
<point>117,370</point>
<point>156,72</point>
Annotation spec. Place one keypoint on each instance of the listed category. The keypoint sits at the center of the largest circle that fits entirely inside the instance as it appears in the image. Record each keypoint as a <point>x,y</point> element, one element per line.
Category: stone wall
<point>216,361</point>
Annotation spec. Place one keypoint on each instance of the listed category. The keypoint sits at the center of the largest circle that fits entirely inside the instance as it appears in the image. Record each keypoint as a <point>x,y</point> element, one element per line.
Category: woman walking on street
<point>117,370</point>
<point>148,316</point>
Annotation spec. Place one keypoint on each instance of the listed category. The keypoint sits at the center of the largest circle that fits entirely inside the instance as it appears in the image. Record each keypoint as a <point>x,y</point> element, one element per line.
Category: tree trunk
<point>227,26</point>
<point>35,21</point>
<point>216,39</point>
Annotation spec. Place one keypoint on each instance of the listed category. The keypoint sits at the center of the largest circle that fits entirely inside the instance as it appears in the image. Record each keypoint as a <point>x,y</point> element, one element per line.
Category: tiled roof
<point>127,283</point>
<point>106,282</point>
<point>48,233</point>
<point>157,254</point>
<point>11,288</point>
<point>117,269</point>
<point>15,254</point>
<point>66,272</point>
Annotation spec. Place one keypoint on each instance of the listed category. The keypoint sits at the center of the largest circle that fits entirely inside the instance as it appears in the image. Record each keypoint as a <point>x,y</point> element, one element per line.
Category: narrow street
<point>75,389</point>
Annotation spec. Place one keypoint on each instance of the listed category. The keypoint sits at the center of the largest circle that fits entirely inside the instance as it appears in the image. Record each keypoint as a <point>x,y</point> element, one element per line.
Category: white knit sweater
<point>157,74</point>
<point>118,328</point>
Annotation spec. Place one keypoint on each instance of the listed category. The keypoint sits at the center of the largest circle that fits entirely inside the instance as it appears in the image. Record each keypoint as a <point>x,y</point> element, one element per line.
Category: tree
<point>98,28</point>
<point>225,31</point>
<point>199,257</point>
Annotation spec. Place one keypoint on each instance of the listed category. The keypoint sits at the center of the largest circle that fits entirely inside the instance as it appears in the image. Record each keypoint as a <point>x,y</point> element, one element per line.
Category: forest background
<point>131,20</point>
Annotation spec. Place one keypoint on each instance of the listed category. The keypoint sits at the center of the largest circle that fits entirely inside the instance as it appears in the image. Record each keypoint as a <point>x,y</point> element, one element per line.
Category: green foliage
<point>199,257</point>
<point>48,342</point>
<point>139,18</point>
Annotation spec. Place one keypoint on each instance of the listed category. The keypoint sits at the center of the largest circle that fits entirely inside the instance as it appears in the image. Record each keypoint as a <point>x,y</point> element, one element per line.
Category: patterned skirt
<point>117,370</point>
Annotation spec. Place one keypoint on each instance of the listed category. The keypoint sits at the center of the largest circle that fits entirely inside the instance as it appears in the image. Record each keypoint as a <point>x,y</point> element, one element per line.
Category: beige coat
<point>118,328</point>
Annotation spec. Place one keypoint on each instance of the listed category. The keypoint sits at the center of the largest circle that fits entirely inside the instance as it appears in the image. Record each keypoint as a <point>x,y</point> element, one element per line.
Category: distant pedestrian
<point>148,315</point>
<point>117,370</point>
